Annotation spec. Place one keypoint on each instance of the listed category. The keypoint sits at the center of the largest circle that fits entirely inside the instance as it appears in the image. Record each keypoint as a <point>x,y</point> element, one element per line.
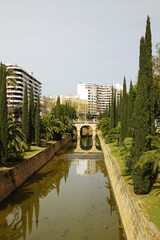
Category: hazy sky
<point>64,42</point>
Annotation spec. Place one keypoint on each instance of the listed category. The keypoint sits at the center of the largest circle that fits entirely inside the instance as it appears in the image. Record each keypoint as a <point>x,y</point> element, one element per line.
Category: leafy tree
<point>104,125</point>
<point>25,117</point>
<point>3,114</point>
<point>89,116</point>
<point>37,123</point>
<point>31,116</point>
<point>114,135</point>
<point>152,156</point>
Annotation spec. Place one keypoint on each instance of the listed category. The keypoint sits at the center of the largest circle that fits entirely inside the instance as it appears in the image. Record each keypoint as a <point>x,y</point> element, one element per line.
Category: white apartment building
<point>15,95</point>
<point>98,96</point>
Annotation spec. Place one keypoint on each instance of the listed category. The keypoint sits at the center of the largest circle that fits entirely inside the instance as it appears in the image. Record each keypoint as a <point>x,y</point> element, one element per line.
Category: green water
<point>70,198</point>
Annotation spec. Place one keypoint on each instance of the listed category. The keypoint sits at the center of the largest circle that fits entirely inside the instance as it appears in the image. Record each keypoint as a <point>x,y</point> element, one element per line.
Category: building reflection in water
<point>87,167</point>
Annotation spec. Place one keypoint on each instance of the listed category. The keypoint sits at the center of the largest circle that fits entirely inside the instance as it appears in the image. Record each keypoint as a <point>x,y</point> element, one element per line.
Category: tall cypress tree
<point>124,112</point>
<point>37,123</point>
<point>149,77</point>
<point>141,176</point>
<point>144,115</point>
<point>109,108</point>
<point>3,115</point>
<point>31,116</point>
<point>130,109</point>
<point>113,110</point>
<point>25,117</point>
<point>58,114</point>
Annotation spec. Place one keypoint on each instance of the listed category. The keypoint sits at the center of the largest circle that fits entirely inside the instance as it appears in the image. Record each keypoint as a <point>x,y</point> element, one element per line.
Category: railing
<point>94,121</point>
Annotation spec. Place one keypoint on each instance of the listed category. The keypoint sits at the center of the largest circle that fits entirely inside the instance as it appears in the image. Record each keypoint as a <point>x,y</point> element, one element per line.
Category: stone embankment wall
<point>136,226</point>
<point>16,176</point>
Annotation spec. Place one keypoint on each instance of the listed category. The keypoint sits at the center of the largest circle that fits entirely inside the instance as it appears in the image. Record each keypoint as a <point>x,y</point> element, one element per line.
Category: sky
<point>65,42</point>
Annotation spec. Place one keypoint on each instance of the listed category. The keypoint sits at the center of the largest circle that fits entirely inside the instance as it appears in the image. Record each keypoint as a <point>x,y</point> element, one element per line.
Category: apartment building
<point>80,105</point>
<point>98,96</point>
<point>15,95</point>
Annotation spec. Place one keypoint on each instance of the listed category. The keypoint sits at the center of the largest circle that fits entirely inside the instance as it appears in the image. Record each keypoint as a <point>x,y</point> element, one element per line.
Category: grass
<point>149,203</point>
<point>33,150</point>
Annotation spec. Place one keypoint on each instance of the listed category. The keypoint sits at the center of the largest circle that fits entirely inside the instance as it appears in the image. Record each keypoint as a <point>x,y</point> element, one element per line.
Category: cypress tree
<point>149,77</point>
<point>66,109</point>
<point>25,117</point>
<point>130,110</point>
<point>124,112</point>
<point>141,176</point>
<point>109,108</point>
<point>144,115</point>
<point>37,123</point>
<point>120,106</point>
<point>3,115</point>
<point>58,114</point>
<point>31,116</point>
<point>113,110</point>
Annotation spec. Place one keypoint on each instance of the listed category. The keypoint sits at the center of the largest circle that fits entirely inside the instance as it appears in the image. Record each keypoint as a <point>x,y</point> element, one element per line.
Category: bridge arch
<point>79,125</point>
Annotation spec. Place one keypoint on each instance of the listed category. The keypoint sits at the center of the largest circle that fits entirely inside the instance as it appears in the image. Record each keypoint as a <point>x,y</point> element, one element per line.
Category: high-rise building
<point>98,96</point>
<point>15,94</point>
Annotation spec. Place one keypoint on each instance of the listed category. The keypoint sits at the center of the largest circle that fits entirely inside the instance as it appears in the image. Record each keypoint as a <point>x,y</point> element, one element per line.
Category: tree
<point>130,109</point>
<point>149,78</point>
<point>113,110</point>
<point>3,114</point>
<point>143,116</point>
<point>31,116</point>
<point>58,114</point>
<point>25,117</point>
<point>124,112</point>
<point>16,140</point>
<point>37,123</point>
<point>89,116</point>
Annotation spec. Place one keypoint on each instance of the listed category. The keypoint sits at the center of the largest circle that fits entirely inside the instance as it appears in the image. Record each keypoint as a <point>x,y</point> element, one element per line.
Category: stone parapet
<point>136,225</point>
<point>11,179</point>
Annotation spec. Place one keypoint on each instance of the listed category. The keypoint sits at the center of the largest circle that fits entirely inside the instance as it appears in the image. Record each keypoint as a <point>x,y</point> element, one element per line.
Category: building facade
<point>80,105</point>
<point>98,96</point>
<point>15,94</point>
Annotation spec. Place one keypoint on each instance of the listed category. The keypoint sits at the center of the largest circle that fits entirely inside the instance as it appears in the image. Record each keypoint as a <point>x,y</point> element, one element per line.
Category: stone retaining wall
<point>136,226</point>
<point>13,178</point>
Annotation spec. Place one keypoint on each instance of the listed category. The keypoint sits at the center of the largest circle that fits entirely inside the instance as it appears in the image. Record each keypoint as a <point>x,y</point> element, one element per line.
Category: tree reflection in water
<point>17,211</point>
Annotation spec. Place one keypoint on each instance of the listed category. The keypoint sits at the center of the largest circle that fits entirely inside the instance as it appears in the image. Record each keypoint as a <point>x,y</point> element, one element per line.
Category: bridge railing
<point>94,121</point>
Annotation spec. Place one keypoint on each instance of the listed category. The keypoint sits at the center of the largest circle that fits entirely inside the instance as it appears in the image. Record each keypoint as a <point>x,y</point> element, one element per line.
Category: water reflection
<point>88,143</point>
<point>87,167</point>
<point>58,203</point>
<point>17,211</point>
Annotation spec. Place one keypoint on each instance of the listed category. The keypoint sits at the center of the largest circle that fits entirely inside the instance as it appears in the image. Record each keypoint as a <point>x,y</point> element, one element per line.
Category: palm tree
<point>16,140</point>
<point>151,156</point>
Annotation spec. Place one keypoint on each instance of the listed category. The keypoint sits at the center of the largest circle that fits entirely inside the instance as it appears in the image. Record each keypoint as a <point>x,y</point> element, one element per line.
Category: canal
<point>70,198</point>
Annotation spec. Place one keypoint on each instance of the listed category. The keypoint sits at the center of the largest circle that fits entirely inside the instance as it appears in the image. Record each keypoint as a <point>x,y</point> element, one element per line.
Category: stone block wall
<point>136,225</point>
<point>16,176</point>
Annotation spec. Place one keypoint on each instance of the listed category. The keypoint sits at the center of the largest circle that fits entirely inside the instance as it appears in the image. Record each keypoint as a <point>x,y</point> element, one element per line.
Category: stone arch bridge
<point>80,124</point>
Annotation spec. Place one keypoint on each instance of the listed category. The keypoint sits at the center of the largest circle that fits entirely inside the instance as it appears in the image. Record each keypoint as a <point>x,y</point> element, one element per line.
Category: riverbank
<point>11,179</point>
<point>136,226</point>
